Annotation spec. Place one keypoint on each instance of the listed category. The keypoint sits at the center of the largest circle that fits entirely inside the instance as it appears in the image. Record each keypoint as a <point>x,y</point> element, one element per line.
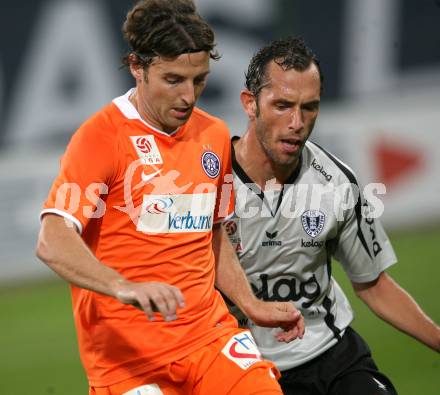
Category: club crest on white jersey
<point>313,222</point>
<point>147,149</point>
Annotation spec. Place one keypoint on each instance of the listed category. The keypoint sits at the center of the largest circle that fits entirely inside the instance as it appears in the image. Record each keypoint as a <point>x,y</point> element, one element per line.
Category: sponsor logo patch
<point>211,164</point>
<point>160,206</point>
<point>272,235</point>
<point>177,213</point>
<point>232,229</point>
<point>148,177</point>
<point>150,389</point>
<point>242,350</point>
<point>147,149</point>
<point>313,222</point>
<point>288,289</point>
<point>320,169</point>
<point>271,242</point>
<point>377,248</point>
<point>312,243</point>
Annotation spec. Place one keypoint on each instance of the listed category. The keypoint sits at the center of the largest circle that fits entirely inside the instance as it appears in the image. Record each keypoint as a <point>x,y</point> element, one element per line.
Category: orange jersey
<point>145,202</point>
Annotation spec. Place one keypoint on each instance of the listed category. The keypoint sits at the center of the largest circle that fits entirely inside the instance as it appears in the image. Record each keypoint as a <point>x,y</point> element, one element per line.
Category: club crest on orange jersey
<point>211,164</point>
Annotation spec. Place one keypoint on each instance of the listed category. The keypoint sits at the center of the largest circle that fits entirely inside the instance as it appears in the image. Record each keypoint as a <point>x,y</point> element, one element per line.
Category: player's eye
<point>199,81</point>
<point>173,80</point>
<point>311,107</point>
<point>281,106</point>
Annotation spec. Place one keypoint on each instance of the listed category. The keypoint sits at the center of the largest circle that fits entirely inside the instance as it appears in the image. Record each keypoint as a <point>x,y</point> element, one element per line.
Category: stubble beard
<point>275,158</point>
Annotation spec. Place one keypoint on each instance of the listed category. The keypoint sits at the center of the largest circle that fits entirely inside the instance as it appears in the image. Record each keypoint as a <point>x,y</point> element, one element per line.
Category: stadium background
<point>59,64</point>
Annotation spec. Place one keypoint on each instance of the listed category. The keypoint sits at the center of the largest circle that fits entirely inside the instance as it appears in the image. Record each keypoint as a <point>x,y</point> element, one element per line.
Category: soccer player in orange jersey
<point>133,223</point>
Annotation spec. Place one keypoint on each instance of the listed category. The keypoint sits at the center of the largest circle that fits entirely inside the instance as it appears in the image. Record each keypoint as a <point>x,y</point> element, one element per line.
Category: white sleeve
<point>363,248</point>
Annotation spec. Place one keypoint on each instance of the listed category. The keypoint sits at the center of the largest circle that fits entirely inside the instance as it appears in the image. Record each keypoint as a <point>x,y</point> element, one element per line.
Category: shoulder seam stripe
<point>358,209</point>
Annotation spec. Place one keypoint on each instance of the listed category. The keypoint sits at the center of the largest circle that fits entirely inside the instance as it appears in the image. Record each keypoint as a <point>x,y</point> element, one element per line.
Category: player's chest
<point>159,165</point>
<point>290,230</point>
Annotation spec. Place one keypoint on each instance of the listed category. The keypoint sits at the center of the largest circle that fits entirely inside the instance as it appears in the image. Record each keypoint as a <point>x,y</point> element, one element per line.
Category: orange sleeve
<point>225,190</point>
<point>87,170</point>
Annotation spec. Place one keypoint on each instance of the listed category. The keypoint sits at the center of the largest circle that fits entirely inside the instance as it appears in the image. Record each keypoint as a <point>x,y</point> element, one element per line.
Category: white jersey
<point>285,240</point>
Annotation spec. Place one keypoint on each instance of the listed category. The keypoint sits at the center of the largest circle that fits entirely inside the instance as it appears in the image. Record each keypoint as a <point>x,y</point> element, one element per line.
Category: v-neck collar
<point>129,110</point>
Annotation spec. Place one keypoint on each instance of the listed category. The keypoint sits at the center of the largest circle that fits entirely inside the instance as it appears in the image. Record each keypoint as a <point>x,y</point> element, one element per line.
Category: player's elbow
<point>42,249</point>
<point>50,239</point>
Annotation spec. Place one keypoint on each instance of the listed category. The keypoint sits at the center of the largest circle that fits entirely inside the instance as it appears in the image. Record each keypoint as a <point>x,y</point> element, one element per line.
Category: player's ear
<point>249,103</point>
<point>137,71</point>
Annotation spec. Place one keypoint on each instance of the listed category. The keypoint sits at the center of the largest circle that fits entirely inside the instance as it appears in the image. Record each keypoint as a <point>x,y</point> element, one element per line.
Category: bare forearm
<point>232,281</point>
<point>394,305</point>
<point>63,250</point>
<point>230,277</point>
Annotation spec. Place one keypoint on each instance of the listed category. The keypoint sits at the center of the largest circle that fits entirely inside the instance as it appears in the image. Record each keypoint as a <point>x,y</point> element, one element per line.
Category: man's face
<point>168,90</point>
<point>287,108</point>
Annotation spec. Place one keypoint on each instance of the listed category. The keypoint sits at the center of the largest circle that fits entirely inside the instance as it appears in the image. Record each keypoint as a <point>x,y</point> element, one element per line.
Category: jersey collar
<point>244,176</point>
<point>130,112</point>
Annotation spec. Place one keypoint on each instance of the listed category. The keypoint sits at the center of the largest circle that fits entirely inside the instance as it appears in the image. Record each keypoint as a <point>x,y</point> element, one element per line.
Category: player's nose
<point>296,120</point>
<point>188,93</point>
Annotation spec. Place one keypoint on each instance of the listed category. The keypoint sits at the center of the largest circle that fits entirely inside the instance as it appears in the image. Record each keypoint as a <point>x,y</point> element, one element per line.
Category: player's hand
<point>279,314</point>
<point>150,297</point>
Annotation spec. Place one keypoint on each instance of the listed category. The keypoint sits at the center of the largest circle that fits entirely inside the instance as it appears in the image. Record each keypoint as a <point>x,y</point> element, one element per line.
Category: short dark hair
<point>166,28</point>
<point>289,53</point>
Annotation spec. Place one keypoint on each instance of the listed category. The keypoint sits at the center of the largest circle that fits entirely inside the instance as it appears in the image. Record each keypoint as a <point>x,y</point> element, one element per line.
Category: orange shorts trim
<point>231,365</point>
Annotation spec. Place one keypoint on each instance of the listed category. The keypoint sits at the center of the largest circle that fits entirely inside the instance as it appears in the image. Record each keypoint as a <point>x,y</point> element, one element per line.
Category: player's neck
<point>257,165</point>
<point>135,99</point>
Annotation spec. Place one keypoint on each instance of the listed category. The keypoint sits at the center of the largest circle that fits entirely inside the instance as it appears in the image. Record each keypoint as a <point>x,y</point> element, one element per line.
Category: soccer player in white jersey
<point>297,207</point>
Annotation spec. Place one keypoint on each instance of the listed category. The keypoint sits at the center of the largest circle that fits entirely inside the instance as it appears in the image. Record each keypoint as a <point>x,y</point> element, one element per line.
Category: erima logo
<point>311,243</point>
<point>271,242</point>
<point>288,289</point>
<point>319,168</point>
<point>271,235</point>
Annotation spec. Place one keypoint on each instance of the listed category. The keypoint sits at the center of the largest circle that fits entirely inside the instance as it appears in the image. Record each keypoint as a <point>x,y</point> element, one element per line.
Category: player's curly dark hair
<point>289,53</point>
<point>166,28</point>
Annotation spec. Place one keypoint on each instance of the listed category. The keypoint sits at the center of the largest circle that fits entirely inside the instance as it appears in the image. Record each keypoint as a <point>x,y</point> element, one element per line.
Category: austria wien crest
<point>211,164</point>
<point>313,222</point>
